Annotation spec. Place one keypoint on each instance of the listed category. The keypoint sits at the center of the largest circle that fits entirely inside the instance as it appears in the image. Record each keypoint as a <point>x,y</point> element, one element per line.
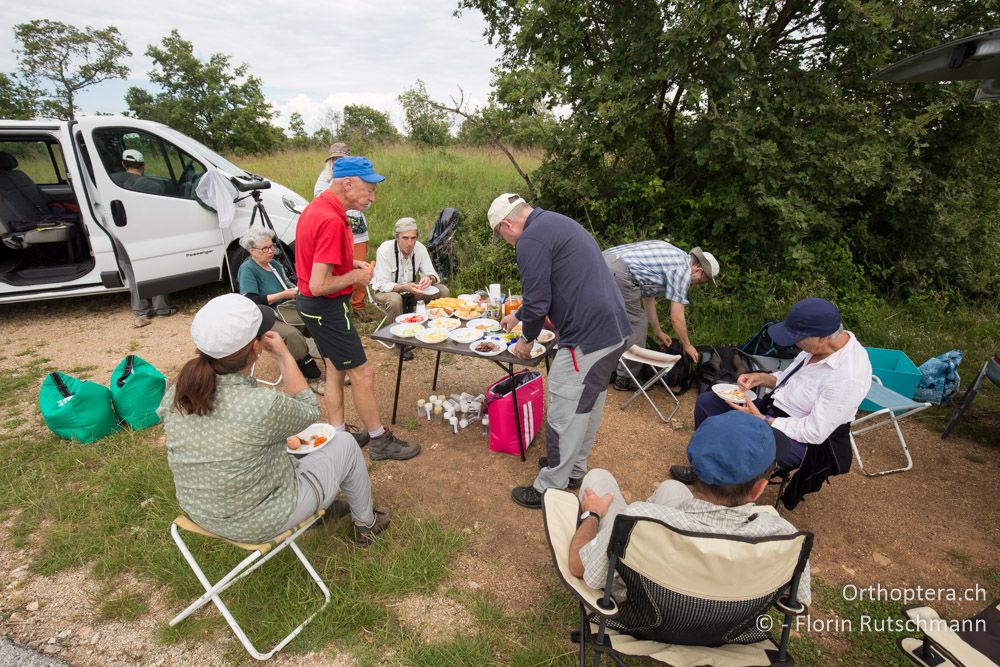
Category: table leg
<point>399,375</point>
<point>517,412</point>
<point>437,364</point>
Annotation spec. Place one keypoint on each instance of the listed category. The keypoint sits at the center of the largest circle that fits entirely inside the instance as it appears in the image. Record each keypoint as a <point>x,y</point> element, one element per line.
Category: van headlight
<point>292,205</point>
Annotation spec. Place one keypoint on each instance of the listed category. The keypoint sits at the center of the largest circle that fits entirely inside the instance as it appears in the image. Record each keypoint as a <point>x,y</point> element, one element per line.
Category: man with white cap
<point>811,402</point>
<point>646,269</point>
<point>733,455</point>
<point>398,263</point>
<point>564,278</point>
<point>226,437</point>
<point>327,273</point>
<point>134,175</point>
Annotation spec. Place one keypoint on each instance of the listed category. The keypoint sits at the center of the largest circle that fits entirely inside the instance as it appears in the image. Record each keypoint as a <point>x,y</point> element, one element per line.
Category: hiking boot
<point>166,313</point>
<point>683,474</point>
<point>141,321</point>
<point>365,536</point>
<point>310,369</point>
<point>574,482</point>
<point>360,435</point>
<point>624,383</point>
<point>318,386</point>
<point>527,496</point>
<point>337,509</point>
<point>388,446</point>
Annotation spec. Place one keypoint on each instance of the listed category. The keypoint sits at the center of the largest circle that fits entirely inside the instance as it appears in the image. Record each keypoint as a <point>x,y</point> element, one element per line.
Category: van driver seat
<point>25,218</point>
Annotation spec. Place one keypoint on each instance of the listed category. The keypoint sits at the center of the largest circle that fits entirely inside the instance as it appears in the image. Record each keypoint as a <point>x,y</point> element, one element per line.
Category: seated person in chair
<point>815,399</point>
<point>733,455</point>
<point>134,175</point>
<point>397,264</point>
<point>263,281</point>
<point>226,436</point>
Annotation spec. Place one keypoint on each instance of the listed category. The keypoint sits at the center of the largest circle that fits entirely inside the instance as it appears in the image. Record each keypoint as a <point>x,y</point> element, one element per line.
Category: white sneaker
<point>140,321</point>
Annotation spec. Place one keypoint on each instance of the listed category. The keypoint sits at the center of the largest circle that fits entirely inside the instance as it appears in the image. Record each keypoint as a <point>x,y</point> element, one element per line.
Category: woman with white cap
<point>226,436</point>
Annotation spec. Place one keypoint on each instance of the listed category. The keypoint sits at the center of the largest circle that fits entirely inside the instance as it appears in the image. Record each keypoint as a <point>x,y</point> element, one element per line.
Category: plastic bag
<point>939,380</point>
<point>76,409</point>
<point>136,391</point>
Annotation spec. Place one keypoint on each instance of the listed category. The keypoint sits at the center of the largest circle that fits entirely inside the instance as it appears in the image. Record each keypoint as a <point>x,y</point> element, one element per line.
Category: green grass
<point>419,183</point>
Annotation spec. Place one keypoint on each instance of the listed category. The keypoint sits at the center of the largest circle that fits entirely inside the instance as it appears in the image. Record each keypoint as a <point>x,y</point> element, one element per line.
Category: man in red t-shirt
<point>328,272</point>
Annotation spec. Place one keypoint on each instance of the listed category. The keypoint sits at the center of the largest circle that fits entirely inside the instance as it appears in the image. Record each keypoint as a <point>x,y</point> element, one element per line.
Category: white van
<point>73,222</point>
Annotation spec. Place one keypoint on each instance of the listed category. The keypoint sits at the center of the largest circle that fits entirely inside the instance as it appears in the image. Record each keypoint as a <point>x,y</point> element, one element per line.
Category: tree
<point>17,100</point>
<point>757,128</point>
<point>363,126</point>
<point>297,128</point>
<point>72,59</point>
<point>213,102</point>
<point>426,123</point>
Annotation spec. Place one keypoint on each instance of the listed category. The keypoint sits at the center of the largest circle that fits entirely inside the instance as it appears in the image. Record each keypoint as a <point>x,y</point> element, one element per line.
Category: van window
<point>143,162</point>
<point>40,159</point>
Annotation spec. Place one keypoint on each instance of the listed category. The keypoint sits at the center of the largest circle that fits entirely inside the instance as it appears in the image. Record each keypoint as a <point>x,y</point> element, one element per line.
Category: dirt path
<point>935,526</point>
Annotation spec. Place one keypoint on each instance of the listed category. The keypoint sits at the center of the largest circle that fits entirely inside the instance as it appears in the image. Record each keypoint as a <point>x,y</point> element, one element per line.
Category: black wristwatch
<point>586,515</point>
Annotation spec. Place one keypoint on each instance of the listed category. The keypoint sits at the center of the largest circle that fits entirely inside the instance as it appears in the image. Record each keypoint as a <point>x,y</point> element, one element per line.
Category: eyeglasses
<point>267,248</point>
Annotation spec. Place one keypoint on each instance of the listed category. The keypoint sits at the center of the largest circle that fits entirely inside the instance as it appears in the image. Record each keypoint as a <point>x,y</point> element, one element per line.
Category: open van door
<point>968,59</point>
<point>170,242</point>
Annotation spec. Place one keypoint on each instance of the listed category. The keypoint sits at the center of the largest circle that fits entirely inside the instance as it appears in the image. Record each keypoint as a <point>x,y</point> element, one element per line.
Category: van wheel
<point>234,258</point>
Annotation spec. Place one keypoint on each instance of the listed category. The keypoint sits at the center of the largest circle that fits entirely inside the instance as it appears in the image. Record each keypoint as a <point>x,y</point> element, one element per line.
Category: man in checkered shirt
<point>646,269</point>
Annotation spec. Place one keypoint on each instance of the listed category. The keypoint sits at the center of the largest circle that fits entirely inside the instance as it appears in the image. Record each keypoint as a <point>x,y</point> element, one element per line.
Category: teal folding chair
<point>892,409</point>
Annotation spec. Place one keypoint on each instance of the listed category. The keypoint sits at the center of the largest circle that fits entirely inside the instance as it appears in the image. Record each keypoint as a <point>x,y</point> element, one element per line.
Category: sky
<point>311,56</point>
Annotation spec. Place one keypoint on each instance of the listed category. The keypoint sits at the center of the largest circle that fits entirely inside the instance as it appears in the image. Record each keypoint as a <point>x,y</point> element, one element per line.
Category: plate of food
<point>435,335</point>
<point>439,311</point>
<point>466,311</point>
<point>411,318</point>
<point>487,347</point>
<point>309,440</point>
<point>537,349</point>
<point>406,330</point>
<point>546,336</point>
<point>464,335</point>
<point>484,324</point>
<point>732,393</point>
<point>430,290</point>
<point>448,323</point>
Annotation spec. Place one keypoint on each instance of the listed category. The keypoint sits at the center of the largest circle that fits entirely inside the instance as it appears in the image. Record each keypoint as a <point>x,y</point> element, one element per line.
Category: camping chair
<point>661,363</point>
<point>892,409</point>
<point>991,370</point>
<point>259,554</point>
<point>975,643</point>
<point>698,598</point>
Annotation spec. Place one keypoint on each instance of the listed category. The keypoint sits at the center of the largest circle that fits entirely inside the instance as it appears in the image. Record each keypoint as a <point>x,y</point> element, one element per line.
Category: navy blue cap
<point>357,166</point>
<point>731,448</point>
<point>808,317</point>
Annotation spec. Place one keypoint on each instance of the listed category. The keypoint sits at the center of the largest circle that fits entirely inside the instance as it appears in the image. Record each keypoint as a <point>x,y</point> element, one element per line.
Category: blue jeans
<point>790,452</point>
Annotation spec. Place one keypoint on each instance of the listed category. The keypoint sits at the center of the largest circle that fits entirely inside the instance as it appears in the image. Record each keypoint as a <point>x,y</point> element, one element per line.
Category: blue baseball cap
<point>731,448</point>
<point>808,317</point>
<point>357,166</point>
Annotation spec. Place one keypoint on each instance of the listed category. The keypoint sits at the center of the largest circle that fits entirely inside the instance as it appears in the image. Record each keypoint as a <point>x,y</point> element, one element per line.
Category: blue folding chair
<point>892,409</point>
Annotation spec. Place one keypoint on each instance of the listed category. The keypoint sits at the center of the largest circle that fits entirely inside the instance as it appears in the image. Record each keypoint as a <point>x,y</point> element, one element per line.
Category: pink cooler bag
<point>500,409</point>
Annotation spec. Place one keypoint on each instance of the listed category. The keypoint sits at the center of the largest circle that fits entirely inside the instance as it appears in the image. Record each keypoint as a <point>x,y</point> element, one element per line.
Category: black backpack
<point>681,376</point>
<point>722,364</point>
<point>440,244</point>
<point>761,345</point>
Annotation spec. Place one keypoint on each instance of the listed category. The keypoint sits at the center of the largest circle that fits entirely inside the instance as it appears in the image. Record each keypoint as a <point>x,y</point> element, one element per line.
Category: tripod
<point>265,220</point>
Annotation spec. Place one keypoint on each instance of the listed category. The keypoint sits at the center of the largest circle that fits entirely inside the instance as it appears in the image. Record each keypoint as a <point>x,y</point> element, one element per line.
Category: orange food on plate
<point>318,441</point>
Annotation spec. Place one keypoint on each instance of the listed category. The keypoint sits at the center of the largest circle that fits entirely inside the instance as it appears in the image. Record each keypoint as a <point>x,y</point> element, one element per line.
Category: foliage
<point>72,59</point>
<point>523,130</point>
<point>222,106</point>
<point>426,123</point>
<point>757,129</point>
<point>297,129</point>
<point>362,127</point>
<point>18,101</point>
